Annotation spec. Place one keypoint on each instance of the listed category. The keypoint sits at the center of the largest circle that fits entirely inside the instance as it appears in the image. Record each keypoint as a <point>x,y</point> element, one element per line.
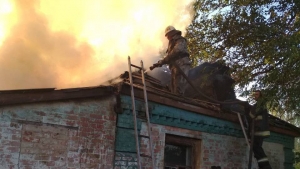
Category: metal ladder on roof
<point>137,136</point>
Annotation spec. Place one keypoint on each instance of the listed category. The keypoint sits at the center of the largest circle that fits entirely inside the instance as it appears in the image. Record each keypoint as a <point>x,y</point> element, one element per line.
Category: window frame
<point>194,143</point>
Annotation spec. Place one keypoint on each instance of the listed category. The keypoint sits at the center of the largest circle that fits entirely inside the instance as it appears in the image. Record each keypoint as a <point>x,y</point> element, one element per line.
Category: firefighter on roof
<point>177,53</point>
<point>259,113</point>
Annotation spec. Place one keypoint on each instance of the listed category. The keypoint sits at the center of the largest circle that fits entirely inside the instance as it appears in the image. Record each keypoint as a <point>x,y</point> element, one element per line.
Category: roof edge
<point>11,97</point>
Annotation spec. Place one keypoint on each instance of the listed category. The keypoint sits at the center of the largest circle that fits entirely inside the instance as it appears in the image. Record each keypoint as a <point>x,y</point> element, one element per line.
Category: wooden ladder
<point>137,135</point>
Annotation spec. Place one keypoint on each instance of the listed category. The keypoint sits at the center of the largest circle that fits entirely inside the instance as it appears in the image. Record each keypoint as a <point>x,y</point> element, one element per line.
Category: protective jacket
<point>177,53</point>
<point>259,113</point>
<point>177,49</point>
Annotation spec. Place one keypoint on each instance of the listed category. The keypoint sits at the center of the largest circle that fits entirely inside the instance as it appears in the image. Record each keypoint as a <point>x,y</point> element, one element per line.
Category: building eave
<point>25,96</point>
<point>203,107</point>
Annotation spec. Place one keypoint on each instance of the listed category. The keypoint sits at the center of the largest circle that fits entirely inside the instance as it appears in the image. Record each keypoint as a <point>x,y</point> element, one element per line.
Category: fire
<point>6,18</point>
<point>74,43</point>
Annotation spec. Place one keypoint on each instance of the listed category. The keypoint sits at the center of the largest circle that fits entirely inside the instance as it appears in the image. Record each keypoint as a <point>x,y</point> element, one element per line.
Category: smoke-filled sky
<point>76,43</point>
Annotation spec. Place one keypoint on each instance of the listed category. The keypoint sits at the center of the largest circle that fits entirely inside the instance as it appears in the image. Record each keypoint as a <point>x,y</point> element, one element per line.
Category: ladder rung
<point>142,117</point>
<point>144,136</point>
<point>144,155</point>
<point>135,66</point>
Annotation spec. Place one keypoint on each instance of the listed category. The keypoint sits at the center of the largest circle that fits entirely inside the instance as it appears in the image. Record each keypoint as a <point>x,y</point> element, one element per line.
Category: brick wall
<point>73,134</point>
<point>275,153</point>
<point>222,142</point>
<point>125,160</point>
<point>216,150</point>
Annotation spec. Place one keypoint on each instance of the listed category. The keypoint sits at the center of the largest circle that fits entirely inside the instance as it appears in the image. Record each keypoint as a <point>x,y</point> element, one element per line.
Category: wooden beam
<point>42,95</point>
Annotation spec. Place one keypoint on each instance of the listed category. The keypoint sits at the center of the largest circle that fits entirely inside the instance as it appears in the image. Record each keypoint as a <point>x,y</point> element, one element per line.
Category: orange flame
<point>75,43</point>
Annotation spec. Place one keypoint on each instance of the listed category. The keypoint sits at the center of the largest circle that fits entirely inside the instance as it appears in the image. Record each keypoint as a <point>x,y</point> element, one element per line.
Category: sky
<point>75,43</point>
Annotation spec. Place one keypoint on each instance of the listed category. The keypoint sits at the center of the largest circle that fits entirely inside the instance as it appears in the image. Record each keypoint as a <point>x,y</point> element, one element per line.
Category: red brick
<point>15,167</point>
<point>99,127</point>
<point>42,157</point>
<point>72,117</point>
<point>27,162</point>
<point>87,130</point>
<point>41,143</point>
<point>10,143</point>
<point>14,137</point>
<point>28,133</point>
<point>13,149</point>
<point>96,116</point>
<point>11,131</point>
<point>4,124</point>
<point>84,123</point>
<point>2,156</point>
<point>109,137</point>
<point>47,163</point>
<point>15,125</point>
<point>40,113</point>
<point>70,122</point>
<point>99,121</point>
<point>26,167</point>
<point>30,139</point>
<point>111,117</point>
<point>84,119</point>
<point>93,125</point>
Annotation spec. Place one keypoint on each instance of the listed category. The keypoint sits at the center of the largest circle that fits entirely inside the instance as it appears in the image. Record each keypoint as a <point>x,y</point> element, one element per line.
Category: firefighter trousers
<point>259,153</point>
<point>178,82</point>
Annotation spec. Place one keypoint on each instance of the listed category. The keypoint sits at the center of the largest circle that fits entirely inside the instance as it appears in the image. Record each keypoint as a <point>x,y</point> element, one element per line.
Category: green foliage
<point>297,166</point>
<point>258,39</point>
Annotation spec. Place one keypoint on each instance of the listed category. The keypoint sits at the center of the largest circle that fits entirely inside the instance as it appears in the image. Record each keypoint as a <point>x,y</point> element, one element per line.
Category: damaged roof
<point>159,92</point>
<point>156,92</point>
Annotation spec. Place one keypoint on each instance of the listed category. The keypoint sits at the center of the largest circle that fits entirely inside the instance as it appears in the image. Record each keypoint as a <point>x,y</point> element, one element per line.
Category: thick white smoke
<point>75,43</point>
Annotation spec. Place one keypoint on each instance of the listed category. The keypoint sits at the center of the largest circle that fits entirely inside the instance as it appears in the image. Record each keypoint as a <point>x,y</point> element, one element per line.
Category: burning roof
<point>157,92</point>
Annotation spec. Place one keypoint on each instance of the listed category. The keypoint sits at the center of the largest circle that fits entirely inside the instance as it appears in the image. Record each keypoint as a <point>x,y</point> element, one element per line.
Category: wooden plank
<point>33,96</point>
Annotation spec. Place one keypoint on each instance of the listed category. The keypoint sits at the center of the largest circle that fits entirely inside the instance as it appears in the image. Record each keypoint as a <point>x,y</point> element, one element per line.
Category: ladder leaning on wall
<point>137,135</point>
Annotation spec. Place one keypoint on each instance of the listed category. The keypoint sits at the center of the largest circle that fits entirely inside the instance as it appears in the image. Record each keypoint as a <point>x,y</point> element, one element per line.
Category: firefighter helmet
<point>169,29</point>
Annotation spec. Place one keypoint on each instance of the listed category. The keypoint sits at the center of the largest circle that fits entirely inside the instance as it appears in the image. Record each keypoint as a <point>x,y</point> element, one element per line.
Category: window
<point>177,157</point>
<point>181,152</point>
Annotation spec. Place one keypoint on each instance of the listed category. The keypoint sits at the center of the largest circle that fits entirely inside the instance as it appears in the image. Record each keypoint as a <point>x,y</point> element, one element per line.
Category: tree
<point>258,39</point>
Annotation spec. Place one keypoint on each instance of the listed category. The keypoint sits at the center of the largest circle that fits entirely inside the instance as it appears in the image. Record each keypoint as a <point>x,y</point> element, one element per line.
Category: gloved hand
<point>158,64</point>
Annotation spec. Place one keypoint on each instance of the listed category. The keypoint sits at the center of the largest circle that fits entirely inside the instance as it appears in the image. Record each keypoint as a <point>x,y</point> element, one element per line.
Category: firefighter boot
<point>265,165</point>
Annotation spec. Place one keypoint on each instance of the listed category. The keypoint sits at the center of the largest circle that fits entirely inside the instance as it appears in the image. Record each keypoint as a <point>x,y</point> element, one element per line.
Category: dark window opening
<point>181,153</point>
<point>177,156</point>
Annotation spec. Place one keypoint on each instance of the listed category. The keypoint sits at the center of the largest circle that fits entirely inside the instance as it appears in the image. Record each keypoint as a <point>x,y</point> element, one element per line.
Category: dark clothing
<point>259,153</point>
<point>177,53</point>
<point>177,80</point>
<point>260,115</point>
